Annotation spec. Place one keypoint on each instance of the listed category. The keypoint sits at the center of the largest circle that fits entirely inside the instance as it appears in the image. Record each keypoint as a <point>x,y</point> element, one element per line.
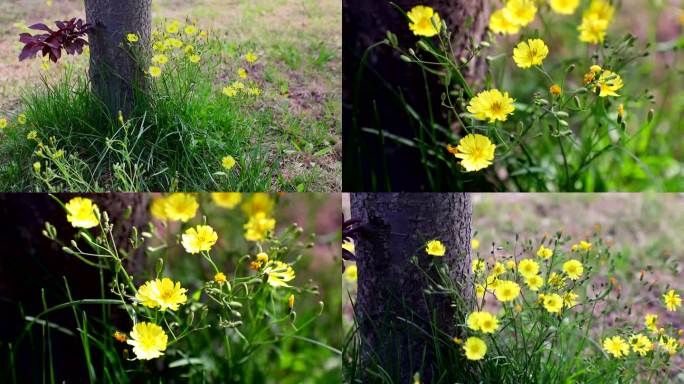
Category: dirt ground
<point>300,42</point>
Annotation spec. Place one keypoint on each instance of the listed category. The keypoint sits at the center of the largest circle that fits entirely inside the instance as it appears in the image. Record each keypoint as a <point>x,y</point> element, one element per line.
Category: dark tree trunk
<point>29,262</point>
<point>115,76</point>
<point>365,23</point>
<point>391,289</point>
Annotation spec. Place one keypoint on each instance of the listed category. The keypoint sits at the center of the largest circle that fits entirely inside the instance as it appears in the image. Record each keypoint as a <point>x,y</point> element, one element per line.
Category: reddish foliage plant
<point>68,36</point>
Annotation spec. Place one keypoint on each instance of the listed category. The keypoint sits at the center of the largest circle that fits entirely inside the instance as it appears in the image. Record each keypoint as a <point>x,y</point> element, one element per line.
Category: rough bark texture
<point>365,23</point>
<point>29,262</point>
<point>114,74</point>
<point>391,288</point>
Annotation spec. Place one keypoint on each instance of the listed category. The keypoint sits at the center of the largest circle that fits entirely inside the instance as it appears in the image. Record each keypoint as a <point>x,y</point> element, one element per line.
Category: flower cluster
<point>173,42</point>
<point>150,302</point>
<point>238,86</point>
<point>476,151</point>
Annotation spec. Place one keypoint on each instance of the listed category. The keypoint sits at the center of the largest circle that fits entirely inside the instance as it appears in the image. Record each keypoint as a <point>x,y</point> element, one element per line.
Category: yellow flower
<point>259,226</point>
<point>172,28</point>
<point>195,58</point>
<point>499,23</point>
<point>251,57</point>
<point>506,290</point>
<point>492,105</point>
<point>279,273</point>
<point>569,299</point>
<point>555,89</point>
<point>21,119</point>
<point>238,85</point>
<point>33,135</point>
<point>198,239</point>
<point>457,340</point>
<point>423,21</point>
<point>616,346</point>
<point>601,9</point>
<point>258,202</point>
<point>651,322</point>
<point>242,73</point>
<point>478,266</point>
<point>474,348</point>
<point>82,213</point>
<point>158,208</point>
<point>510,264</point>
<point>158,46</point>
<point>592,30</point>
<point>669,344</point>
<point>229,91</point>
<point>262,258</point>
<point>564,7</point>
<point>544,252</point>
<point>435,248</point>
<point>475,151</point>
<point>482,321</point>
<point>520,12</point>
<point>220,278</point>
<point>479,291</point>
<point>532,52</point>
<point>161,293</point>
<point>180,207</point>
<point>498,269</point>
<point>173,43</point>
<point>573,268</point>
<point>609,82</point>
<point>528,268</point>
<point>640,344</point>
<point>132,37</point>
<point>585,246</point>
<point>291,301</point>
<point>348,245</point>
<point>3,123</point>
<point>228,162</point>
<point>672,300</point>
<point>190,30</point>
<point>475,244</point>
<point>553,302</point>
<point>160,59</point>
<point>155,71</point>
<point>351,273</point>
<point>120,336</point>
<point>227,199</point>
<point>621,110</point>
<point>534,282</point>
<point>148,341</point>
<point>254,91</point>
<point>189,49</point>
<point>36,166</point>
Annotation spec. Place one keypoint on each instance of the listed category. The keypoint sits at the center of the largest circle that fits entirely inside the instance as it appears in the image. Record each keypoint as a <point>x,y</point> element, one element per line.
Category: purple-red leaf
<point>67,37</point>
<point>41,27</point>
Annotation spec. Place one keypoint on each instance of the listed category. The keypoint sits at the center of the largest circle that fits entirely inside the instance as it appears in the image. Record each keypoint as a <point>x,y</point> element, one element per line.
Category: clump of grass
<point>174,139</point>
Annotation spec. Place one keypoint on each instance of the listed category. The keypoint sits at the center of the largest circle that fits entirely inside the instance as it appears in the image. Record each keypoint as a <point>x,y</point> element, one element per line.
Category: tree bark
<point>31,262</point>
<point>373,100</point>
<point>115,76</point>
<point>391,303</point>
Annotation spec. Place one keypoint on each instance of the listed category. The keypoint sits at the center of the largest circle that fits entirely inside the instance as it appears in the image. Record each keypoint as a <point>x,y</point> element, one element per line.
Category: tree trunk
<point>114,74</point>
<point>391,290</point>
<point>31,262</point>
<point>374,99</point>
